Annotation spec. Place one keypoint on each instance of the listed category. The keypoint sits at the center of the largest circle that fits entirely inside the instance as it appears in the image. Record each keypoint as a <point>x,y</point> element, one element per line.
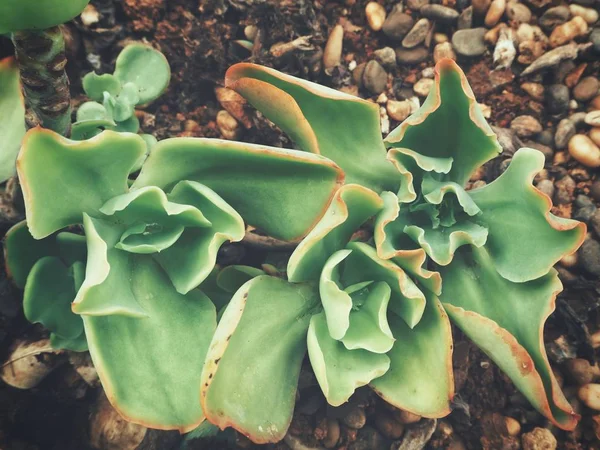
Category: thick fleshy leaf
<point>22,251</point>
<point>146,68</point>
<point>506,320</point>
<point>79,344</point>
<point>349,209</point>
<point>449,125</point>
<point>48,295</point>
<point>62,179</point>
<point>340,371</point>
<point>149,367</point>
<point>337,303</point>
<point>283,192</point>
<point>191,259</point>
<point>363,264</point>
<point>12,112</point>
<point>441,243</point>
<point>251,373</point>
<point>106,289</point>
<point>420,378</point>
<point>19,15</point>
<point>96,85</point>
<point>221,284</point>
<point>519,221</point>
<point>320,120</point>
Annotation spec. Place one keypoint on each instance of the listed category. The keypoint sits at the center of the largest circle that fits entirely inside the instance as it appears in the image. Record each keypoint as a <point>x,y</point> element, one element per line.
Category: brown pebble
<point>539,439</point>
<point>535,90</point>
<point>495,12</point>
<point>590,395</point>
<point>513,427</point>
<point>333,433</point>
<point>442,51</point>
<point>581,371</point>
<point>375,15</point>
<point>355,418</point>
<point>390,428</point>
<point>398,110</point>
<point>525,126</point>
<point>406,417</point>
<point>568,31</point>
<point>228,126</point>
<point>586,89</point>
<point>332,55</point>
<point>583,149</point>
<point>518,12</point>
<point>595,136</point>
<point>480,7</point>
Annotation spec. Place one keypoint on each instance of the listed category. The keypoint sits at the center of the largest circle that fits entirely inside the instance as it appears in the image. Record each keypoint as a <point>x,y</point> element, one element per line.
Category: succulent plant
<point>141,75</point>
<point>40,52</point>
<point>12,111</point>
<point>494,247</point>
<point>149,247</point>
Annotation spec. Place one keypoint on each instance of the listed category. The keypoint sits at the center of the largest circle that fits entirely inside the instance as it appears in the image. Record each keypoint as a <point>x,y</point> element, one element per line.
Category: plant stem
<point>41,59</point>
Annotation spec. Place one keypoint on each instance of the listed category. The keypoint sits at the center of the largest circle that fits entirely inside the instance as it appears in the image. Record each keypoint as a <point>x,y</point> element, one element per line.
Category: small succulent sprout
<point>51,271</point>
<point>141,76</point>
<point>482,242</point>
<point>12,111</point>
<point>152,247</point>
<point>27,15</point>
<point>362,320</point>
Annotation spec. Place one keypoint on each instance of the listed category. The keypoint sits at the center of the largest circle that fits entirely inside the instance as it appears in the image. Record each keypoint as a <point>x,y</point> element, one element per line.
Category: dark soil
<point>197,36</point>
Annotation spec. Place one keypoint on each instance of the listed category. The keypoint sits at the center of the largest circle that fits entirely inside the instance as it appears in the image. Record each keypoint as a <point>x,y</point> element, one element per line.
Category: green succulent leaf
<point>506,320</point>
<point>251,372</point>
<point>62,179</point>
<point>420,377</point>
<point>149,367</point>
<point>339,370</point>
<point>48,295</point>
<point>87,129</point>
<point>96,85</point>
<point>519,221</point>
<point>363,264</point>
<point>12,111</point>
<point>145,68</point>
<point>92,111</point>
<point>222,283</point>
<point>350,208</point>
<point>20,15</point>
<point>283,192</point>
<point>320,120</point>
<point>79,344</point>
<point>449,125</point>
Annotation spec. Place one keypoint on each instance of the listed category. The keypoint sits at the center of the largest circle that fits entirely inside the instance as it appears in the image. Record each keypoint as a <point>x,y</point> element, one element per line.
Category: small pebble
<point>375,15</point>
<point>386,56</point>
<point>333,433</point>
<point>406,417</point>
<point>443,50</point>
<point>525,126</point>
<point>495,12</point>
<point>332,55</point>
<point>465,20</point>
<point>398,110</point>
<point>595,190</point>
<point>589,256</point>
<point>554,17</point>
<point>564,132</point>
<point>595,135</point>
<point>417,34</point>
<point>535,90</point>
<point>530,51</point>
<point>228,126</point>
<point>440,13</point>
<point>590,395</point>
<point>374,77</point>
<point>512,426</point>
<point>547,187</point>
<point>423,86</point>
<point>411,56</point>
<point>593,118</point>
<point>469,42</point>
<point>355,418</point>
<point>569,261</point>
<point>565,189</point>
<point>416,5</point>
<point>397,24</point>
<point>583,149</point>
<point>568,31</point>
<point>539,439</point>
<point>590,15</point>
<point>581,371</point>
<point>594,103</point>
<point>387,426</point>
<point>518,12</point>
<point>557,98</point>
<point>585,209</point>
<point>595,39</point>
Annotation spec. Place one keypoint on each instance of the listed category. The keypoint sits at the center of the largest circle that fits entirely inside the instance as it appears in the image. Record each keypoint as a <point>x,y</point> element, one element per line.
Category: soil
<point>197,36</point>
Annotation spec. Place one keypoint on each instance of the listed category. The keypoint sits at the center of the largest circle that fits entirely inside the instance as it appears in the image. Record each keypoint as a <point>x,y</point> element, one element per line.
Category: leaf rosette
<point>500,240</point>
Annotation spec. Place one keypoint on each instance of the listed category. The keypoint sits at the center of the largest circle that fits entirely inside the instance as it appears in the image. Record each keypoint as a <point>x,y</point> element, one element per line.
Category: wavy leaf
<point>349,209</point>
<point>12,111</point>
<point>519,221</point>
<point>320,120</point>
<point>283,192</point>
<point>251,373</point>
<point>96,85</point>
<point>449,125</point>
<point>149,367</point>
<point>420,378</point>
<point>340,371</point>
<point>506,320</point>
<point>62,179</point>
